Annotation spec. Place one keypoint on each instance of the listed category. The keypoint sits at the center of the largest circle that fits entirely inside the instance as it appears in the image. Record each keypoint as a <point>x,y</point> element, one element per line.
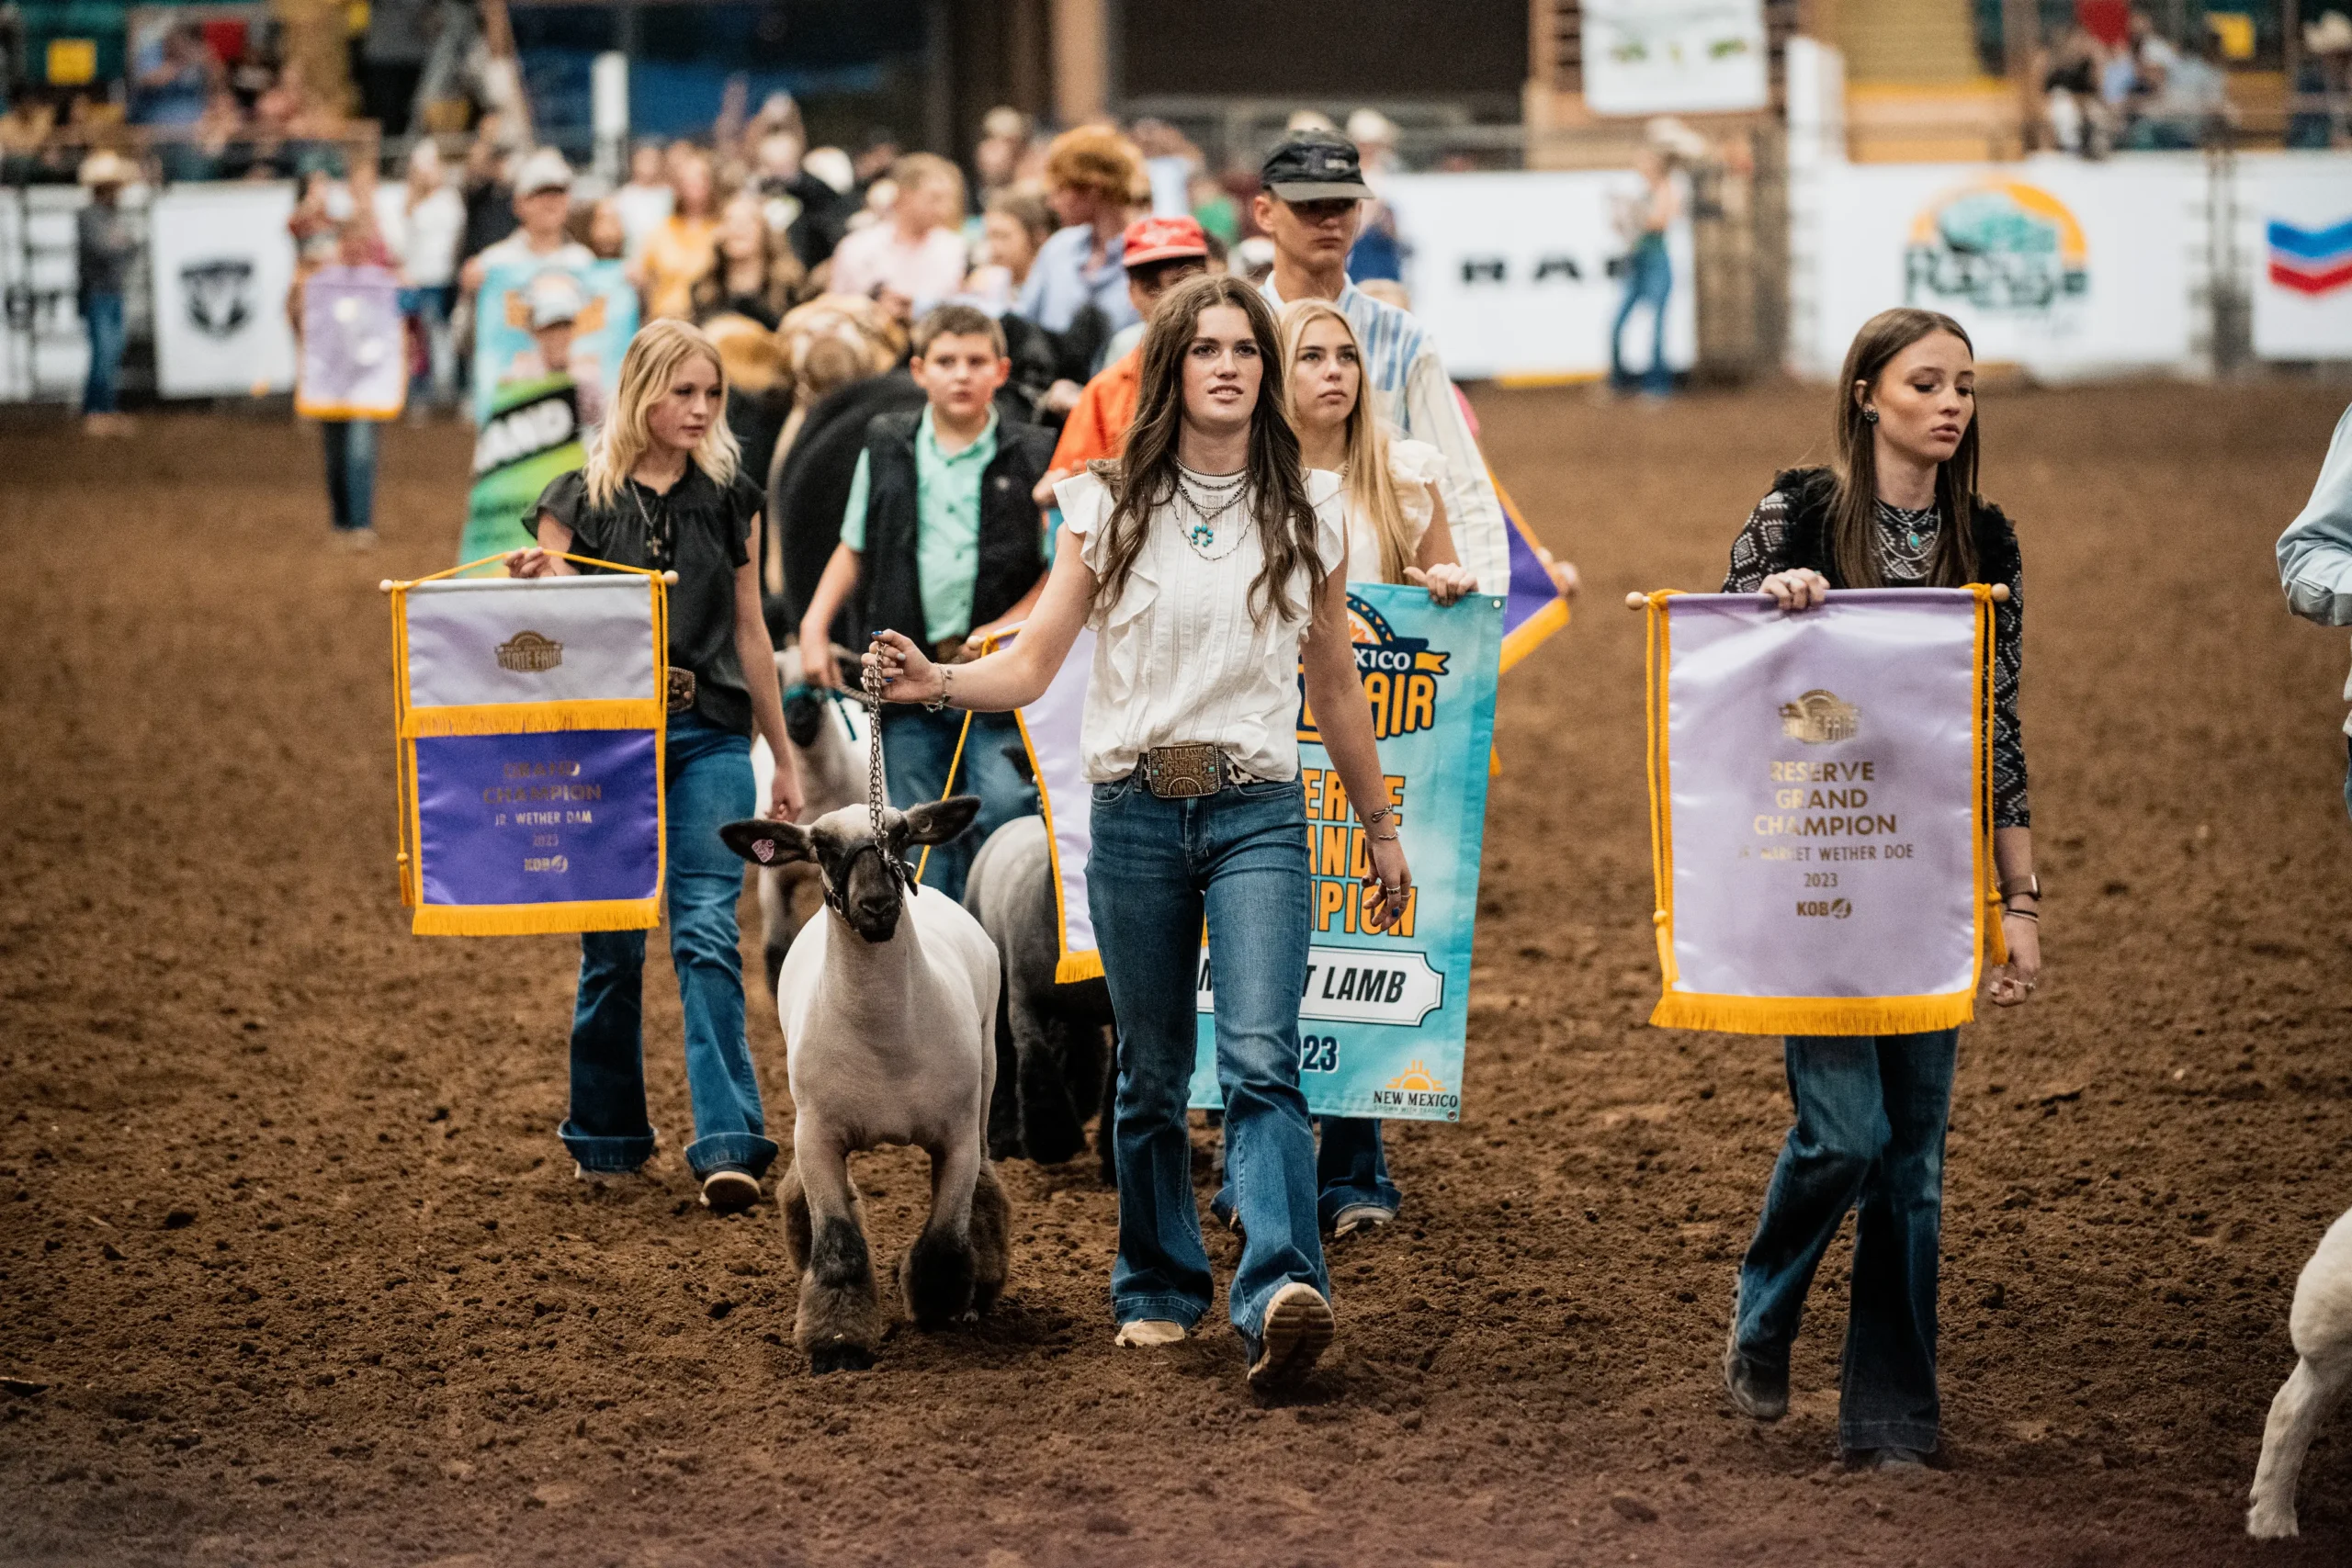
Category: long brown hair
<point>1853,518</point>
<point>1143,479</point>
<point>1371,488</point>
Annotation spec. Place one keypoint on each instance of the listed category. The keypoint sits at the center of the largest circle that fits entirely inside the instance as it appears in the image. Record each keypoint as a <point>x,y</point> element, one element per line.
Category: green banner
<point>531,435</point>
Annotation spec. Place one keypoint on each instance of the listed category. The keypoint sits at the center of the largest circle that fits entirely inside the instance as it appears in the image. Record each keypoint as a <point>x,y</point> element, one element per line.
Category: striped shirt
<point>1412,393</point>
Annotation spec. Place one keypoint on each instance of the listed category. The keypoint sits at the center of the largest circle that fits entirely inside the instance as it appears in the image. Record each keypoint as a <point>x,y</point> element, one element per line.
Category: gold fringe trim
<point>537,920</point>
<point>532,718</point>
<point>346,411</point>
<point>1813,1015</point>
<point>1076,966</point>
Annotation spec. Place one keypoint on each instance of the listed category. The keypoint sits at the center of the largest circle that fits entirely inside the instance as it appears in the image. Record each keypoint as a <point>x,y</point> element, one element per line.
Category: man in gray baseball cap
<point>1314,166</point>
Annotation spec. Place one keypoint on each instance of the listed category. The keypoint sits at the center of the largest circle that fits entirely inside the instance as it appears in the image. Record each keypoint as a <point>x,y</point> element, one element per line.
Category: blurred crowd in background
<point>751,223</point>
<point>2115,81</point>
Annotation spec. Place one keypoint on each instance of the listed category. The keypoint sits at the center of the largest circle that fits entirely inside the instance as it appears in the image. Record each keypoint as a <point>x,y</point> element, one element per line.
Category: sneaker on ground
<point>1757,1391</point>
<point>729,1190</point>
<point>1359,1217</point>
<point>1149,1333</point>
<point>1292,1335</point>
<point>1894,1458</point>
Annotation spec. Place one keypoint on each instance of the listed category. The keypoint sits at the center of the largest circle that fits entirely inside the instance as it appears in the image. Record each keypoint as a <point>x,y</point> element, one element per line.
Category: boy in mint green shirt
<point>941,541</point>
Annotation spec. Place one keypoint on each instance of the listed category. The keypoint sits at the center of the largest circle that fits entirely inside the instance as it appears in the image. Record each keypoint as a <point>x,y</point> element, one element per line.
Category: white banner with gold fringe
<point>530,719</point>
<point>1820,810</point>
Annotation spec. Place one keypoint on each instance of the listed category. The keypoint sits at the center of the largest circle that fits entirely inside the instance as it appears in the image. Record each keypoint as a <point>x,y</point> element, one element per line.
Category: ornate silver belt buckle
<point>1183,772</point>
<point>682,689</point>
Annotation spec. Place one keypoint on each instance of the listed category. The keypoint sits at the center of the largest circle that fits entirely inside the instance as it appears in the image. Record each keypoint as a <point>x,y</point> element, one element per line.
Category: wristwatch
<point>2031,889</point>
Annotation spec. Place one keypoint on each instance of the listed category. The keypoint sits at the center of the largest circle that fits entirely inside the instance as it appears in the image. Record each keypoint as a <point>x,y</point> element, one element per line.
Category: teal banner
<point>602,312</point>
<point>1384,1015</point>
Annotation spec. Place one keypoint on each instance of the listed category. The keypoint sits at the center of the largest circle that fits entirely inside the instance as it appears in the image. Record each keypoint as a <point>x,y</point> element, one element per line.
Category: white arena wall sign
<point>2068,268</point>
<point>223,262</point>
<point>1516,273</point>
<point>2295,228</point>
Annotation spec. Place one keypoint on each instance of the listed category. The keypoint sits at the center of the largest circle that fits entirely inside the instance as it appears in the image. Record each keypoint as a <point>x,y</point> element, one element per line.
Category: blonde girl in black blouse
<point>663,489</point>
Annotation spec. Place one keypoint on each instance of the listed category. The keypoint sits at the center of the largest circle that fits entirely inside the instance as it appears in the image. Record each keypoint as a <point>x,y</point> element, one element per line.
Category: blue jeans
<point>1350,1166</point>
<point>709,784</point>
<point>351,474</point>
<point>1353,1168</point>
<point>430,307</point>
<point>916,749</point>
<point>102,320</point>
<point>1159,867</point>
<point>1869,1135</point>
<point>1649,283</point>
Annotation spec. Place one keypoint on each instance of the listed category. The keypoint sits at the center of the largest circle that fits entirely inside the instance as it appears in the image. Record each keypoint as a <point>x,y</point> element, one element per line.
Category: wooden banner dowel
<point>1637,601</point>
<point>2000,595</point>
<point>672,579</point>
<point>386,586</point>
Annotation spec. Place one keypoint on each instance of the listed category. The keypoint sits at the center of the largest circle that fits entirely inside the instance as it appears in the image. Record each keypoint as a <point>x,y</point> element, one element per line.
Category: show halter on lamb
<point>827,734</point>
<point>889,1002</point>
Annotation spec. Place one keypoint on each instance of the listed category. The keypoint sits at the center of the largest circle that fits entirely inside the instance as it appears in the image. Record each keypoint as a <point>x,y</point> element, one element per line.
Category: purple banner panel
<point>562,816</point>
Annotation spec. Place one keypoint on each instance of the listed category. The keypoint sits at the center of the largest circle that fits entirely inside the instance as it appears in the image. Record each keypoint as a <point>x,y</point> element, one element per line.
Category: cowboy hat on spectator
<point>107,167</point>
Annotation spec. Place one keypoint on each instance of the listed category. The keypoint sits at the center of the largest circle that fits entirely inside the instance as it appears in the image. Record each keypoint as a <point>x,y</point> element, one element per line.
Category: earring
<point>1870,416</point>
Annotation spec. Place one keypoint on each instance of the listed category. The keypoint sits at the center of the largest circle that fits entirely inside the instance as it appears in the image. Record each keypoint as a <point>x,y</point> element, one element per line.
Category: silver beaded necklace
<point>1907,541</point>
<point>1210,497</point>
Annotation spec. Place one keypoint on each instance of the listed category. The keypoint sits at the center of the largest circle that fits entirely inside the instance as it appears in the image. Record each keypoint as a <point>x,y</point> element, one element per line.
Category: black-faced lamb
<point>1054,1058</point>
<point>888,1001</point>
<point>830,754</point>
<point>2319,1324</point>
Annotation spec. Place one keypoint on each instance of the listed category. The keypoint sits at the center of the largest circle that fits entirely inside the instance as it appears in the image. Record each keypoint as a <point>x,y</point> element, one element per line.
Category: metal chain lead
<point>870,679</point>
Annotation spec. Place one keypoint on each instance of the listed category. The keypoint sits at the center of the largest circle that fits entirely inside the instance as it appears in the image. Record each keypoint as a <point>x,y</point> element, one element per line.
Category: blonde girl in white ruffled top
<point>1397,533</point>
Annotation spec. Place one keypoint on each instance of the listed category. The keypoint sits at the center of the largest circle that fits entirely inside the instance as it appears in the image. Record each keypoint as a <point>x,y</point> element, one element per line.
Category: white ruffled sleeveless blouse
<point>1179,659</point>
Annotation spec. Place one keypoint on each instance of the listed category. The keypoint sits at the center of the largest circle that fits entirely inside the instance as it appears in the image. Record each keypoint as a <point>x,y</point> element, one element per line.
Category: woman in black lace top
<point>1899,509</point>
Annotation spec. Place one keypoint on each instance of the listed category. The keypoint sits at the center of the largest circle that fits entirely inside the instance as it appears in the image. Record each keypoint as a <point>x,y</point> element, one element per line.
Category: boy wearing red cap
<point>1160,253</point>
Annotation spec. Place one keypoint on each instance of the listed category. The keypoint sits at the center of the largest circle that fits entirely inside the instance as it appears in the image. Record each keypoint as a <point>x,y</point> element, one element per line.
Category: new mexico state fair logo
<point>1820,718</point>
<point>1418,1088</point>
<point>1997,245</point>
<point>1400,676</point>
<point>529,653</point>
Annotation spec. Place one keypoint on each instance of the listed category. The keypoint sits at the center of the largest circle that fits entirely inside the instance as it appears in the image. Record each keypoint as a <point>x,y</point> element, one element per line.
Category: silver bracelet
<point>946,690</point>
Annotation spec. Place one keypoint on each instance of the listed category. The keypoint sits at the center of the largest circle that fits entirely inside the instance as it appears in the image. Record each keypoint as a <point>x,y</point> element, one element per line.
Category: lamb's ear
<point>764,843</point>
<point>936,821</point>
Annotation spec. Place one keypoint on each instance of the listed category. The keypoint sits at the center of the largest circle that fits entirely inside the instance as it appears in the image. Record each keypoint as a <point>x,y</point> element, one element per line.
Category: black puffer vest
<point>1811,493</point>
<point>1012,553</point>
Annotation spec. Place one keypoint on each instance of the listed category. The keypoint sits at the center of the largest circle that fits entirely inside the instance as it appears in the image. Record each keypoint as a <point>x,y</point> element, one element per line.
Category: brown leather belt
<point>1189,771</point>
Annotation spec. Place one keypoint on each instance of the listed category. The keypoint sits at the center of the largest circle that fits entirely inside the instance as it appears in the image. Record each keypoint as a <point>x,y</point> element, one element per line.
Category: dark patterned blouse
<point>1906,544</point>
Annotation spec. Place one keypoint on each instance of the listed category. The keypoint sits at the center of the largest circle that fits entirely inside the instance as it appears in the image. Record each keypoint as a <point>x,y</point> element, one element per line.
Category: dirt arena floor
<point>295,1271</point>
